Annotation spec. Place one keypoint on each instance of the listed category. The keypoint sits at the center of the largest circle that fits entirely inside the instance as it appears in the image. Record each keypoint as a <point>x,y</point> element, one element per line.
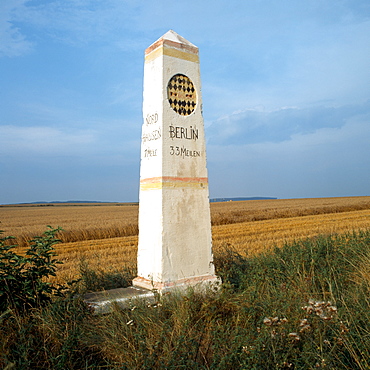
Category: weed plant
<point>22,278</point>
<point>303,306</point>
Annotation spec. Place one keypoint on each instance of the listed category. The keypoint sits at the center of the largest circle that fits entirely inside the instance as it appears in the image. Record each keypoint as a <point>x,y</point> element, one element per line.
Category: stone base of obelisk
<point>103,302</point>
<point>143,289</point>
<point>204,280</point>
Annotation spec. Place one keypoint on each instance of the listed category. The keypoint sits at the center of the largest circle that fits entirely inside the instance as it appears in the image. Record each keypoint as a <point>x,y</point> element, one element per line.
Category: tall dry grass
<point>296,307</point>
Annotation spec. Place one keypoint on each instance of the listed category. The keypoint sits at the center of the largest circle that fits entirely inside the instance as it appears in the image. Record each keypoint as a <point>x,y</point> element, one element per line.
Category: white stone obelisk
<point>175,243</point>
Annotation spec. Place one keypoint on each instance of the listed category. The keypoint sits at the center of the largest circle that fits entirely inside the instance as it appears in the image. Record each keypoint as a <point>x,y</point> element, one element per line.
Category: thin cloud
<point>12,42</point>
<point>253,126</point>
<point>330,161</point>
<point>39,140</point>
<point>82,22</point>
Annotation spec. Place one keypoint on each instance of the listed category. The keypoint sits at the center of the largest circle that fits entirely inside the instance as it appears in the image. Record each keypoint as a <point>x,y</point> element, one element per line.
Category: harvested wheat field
<point>105,236</point>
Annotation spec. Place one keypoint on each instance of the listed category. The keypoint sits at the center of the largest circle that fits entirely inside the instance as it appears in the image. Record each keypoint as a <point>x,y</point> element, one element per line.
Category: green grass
<point>303,306</point>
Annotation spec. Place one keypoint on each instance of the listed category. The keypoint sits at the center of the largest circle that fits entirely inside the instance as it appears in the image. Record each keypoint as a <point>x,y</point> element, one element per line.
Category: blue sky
<point>285,84</point>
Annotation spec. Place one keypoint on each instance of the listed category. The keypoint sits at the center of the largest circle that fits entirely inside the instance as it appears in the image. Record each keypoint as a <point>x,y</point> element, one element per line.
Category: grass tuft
<point>98,279</point>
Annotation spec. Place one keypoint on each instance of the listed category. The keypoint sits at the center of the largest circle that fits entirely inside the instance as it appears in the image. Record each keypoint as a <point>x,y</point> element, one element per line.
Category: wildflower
<point>343,328</point>
<point>323,363</point>
<point>305,325</point>
<point>305,328</point>
<point>309,309</point>
<point>339,340</point>
<point>274,321</point>
<point>319,304</point>
<point>332,309</point>
<point>247,349</point>
<point>267,321</point>
<point>287,364</point>
<point>325,310</point>
<point>294,336</point>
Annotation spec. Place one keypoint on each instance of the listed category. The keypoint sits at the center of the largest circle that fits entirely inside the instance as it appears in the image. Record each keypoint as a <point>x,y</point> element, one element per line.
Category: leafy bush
<point>22,277</point>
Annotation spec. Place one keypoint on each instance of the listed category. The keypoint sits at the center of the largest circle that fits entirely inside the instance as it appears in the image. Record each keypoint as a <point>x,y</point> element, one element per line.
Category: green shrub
<point>22,278</point>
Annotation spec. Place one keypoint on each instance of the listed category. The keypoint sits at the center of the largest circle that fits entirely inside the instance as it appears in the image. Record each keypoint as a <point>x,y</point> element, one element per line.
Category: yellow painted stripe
<point>171,53</point>
<point>169,182</point>
<point>172,185</point>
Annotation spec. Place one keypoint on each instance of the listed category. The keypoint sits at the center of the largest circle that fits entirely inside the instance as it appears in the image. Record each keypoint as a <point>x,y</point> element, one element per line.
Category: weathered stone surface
<point>102,302</point>
<point>175,243</point>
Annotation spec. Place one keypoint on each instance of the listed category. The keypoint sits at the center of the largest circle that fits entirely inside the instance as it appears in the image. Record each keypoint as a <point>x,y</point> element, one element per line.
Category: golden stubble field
<point>105,235</point>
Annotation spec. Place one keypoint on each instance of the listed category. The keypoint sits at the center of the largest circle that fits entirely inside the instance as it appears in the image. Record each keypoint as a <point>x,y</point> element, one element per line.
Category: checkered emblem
<point>181,95</point>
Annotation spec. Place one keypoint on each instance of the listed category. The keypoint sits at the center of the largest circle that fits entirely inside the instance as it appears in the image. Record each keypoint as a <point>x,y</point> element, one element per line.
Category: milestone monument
<point>175,243</point>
